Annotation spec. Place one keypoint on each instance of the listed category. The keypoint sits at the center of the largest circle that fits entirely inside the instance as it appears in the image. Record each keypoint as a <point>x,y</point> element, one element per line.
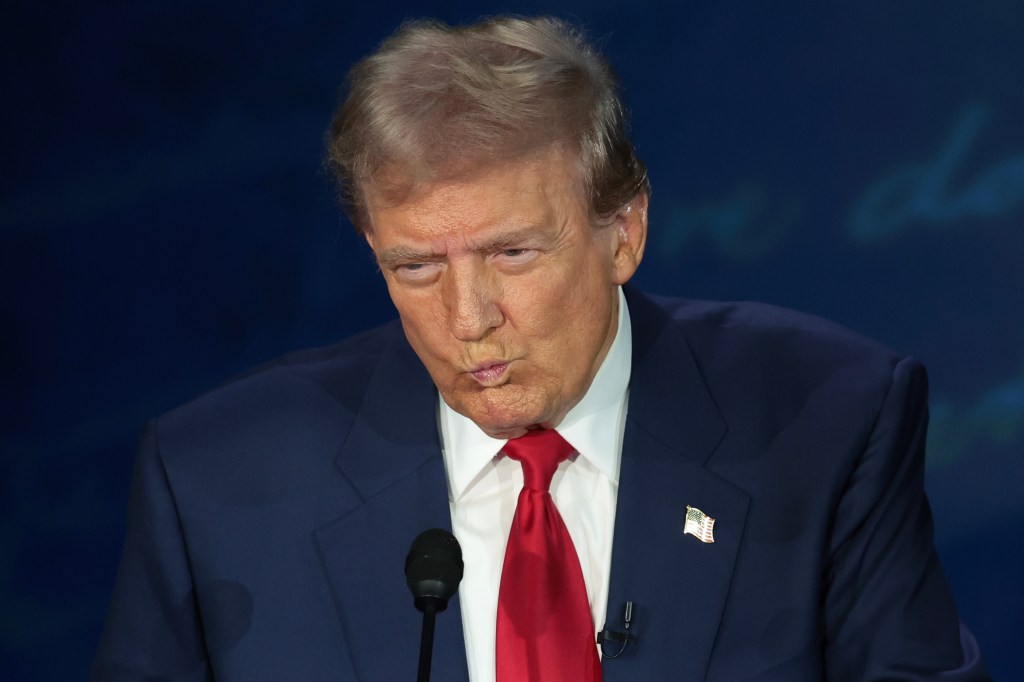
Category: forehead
<point>537,188</point>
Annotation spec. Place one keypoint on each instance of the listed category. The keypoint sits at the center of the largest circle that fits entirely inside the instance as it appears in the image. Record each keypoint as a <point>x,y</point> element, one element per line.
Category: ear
<point>631,237</point>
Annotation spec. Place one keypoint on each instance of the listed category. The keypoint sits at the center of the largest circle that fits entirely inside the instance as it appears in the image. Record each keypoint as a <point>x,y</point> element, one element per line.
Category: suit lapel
<point>392,457</point>
<point>678,584</point>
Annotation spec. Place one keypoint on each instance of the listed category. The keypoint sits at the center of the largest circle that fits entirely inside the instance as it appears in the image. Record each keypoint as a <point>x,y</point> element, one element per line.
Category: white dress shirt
<point>484,485</point>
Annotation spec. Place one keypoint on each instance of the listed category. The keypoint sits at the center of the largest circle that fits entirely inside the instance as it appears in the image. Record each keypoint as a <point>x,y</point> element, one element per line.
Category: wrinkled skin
<point>507,287</point>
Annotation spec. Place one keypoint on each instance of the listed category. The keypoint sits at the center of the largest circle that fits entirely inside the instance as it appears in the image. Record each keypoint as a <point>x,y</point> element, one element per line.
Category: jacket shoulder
<point>764,364</point>
<point>763,319</point>
<point>302,402</point>
<point>336,368</point>
<point>776,337</point>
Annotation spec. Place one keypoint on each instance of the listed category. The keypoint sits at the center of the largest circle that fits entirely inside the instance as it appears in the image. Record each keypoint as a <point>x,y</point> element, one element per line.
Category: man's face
<point>505,288</point>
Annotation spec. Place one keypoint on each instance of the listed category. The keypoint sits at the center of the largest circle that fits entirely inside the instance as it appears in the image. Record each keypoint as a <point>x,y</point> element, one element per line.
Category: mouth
<point>490,373</point>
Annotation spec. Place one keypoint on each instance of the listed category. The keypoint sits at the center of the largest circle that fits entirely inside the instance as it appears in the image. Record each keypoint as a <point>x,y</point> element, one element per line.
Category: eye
<point>515,256</point>
<point>416,272</point>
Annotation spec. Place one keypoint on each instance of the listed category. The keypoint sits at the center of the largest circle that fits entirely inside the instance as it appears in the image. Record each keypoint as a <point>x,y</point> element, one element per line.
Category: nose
<point>473,301</point>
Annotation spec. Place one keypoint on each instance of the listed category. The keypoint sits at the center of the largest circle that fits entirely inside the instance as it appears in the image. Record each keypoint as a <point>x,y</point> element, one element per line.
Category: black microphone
<point>433,570</point>
<point>624,638</point>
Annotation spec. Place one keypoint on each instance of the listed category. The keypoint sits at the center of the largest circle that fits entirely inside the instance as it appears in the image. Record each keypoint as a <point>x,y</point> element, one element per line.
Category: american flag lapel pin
<point>699,525</point>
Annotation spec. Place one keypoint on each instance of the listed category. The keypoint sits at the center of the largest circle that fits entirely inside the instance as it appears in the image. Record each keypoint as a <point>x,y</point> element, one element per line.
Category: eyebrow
<point>506,240</point>
<point>499,242</point>
<point>395,254</point>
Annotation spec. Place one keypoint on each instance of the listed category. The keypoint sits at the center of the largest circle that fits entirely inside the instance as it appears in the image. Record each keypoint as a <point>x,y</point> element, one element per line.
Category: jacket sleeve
<point>888,611</point>
<point>153,629</point>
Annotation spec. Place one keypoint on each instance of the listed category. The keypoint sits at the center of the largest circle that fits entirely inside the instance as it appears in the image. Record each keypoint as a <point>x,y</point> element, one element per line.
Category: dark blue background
<point>165,224</point>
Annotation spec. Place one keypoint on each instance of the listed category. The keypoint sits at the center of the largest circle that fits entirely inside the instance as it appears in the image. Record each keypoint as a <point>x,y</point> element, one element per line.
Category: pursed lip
<point>490,372</point>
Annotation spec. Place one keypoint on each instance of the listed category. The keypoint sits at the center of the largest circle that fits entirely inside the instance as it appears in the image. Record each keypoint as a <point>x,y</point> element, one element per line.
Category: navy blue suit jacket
<point>270,518</point>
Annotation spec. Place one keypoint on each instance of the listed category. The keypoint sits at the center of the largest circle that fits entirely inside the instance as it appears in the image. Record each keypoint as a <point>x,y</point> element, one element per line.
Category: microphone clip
<point>624,639</point>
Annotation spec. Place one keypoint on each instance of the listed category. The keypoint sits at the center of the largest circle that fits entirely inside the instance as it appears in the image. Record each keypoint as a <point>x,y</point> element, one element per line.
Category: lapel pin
<point>699,525</point>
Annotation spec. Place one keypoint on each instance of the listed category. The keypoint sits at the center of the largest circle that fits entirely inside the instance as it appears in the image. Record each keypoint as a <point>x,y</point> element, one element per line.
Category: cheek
<point>423,321</point>
<point>558,305</point>
<point>534,312</point>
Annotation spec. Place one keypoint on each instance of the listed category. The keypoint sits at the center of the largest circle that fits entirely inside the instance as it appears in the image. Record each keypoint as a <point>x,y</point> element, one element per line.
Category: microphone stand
<point>433,570</point>
<point>427,641</point>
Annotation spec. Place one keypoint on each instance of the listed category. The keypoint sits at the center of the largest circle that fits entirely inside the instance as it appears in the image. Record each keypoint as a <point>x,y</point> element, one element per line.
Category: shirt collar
<point>593,426</point>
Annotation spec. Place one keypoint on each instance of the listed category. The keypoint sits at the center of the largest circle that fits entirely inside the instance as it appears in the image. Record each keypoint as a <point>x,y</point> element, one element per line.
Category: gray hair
<point>437,102</point>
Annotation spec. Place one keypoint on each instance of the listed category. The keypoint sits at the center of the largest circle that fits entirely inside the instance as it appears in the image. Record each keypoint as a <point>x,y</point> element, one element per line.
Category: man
<point>748,479</point>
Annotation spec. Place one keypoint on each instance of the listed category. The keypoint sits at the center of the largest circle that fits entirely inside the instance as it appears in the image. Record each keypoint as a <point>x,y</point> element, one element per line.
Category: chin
<point>502,425</point>
<point>501,418</point>
<point>511,424</point>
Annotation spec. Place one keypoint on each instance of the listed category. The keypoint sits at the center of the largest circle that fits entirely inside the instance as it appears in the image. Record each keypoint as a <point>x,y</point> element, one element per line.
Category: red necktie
<point>545,631</point>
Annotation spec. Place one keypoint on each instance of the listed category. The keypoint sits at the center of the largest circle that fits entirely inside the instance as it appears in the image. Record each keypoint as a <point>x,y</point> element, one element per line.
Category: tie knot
<point>540,453</point>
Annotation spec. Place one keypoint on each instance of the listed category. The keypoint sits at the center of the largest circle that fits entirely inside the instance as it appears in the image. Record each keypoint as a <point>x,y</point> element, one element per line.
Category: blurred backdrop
<point>166,223</point>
